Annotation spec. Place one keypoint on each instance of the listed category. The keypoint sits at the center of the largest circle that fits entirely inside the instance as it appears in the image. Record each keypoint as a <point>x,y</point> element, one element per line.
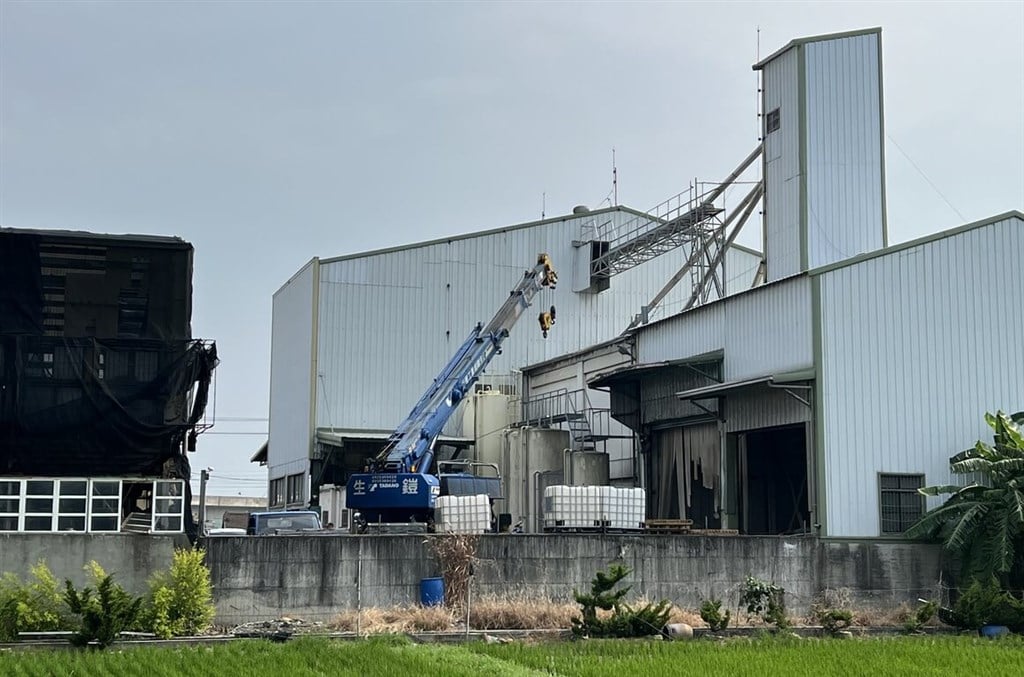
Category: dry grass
<point>398,619</point>
<point>513,612</point>
<point>521,613</point>
<point>455,554</point>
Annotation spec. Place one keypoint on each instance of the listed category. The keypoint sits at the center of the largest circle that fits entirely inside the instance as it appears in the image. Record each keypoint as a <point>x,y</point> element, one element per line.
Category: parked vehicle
<point>283,522</point>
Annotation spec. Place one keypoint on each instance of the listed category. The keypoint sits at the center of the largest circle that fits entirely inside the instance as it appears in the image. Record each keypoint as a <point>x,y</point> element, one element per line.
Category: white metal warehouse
<point>819,402</point>
<point>808,391</point>
<point>356,339</point>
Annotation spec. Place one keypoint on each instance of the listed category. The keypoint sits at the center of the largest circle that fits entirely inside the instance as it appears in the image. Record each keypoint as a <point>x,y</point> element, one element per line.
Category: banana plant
<point>983,522</point>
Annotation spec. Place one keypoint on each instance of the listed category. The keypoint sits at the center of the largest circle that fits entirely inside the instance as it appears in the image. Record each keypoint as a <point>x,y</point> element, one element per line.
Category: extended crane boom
<point>399,486</point>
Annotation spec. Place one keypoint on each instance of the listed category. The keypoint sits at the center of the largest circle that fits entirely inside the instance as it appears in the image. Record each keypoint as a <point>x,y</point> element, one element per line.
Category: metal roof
<point>261,454</point>
<point>719,389</point>
<point>481,233</point>
<point>815,38</point>
<point>635,371</point>
<point>504,229</point>
<point>338,436</point>
<point>85,236</point>
<point>934,237</point>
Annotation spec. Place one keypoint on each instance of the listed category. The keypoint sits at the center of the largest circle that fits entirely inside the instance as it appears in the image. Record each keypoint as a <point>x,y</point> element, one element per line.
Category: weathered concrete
<point>316,577</point>
<point>131,558</point>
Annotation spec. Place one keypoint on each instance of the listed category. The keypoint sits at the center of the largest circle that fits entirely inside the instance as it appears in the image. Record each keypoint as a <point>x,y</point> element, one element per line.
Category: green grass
<point>393,656</point>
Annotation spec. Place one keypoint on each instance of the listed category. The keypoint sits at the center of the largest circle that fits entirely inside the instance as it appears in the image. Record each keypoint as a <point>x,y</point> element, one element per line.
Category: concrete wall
<point>131,558</point>
<point>316,577</point>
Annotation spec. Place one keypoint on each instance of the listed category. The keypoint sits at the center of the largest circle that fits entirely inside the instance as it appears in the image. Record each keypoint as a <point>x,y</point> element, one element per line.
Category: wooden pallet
<point>715,532</point>
<point>666,526</point>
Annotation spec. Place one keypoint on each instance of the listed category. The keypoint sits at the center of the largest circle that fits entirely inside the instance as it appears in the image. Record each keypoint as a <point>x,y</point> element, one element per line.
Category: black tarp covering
<point>21,285</point>
<point>88,407</point>
<point>99,374</point>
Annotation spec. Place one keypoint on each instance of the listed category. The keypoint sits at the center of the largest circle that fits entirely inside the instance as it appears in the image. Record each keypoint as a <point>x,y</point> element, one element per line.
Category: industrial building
<point>102,386</point>
<point>820,401</point>
<point>357,338</point>
<point>810,390</point>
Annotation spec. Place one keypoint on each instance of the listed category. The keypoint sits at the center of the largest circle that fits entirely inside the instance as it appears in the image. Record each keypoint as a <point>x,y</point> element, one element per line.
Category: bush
<point>766,600</point>
<point>924,613</point>
<point>835,620</point>
<point>104,616</point>
<point>180,601</point>
<point>986,604</point>
<point>711,613</point>
<point>624,621</point>
<point>36,606</point>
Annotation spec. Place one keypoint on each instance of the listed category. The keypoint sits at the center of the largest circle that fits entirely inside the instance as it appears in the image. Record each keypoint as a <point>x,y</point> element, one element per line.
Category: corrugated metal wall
<point>782,166</point>
<point>764,331</point>
<point>390,321</point>
<point>844,148</point>
<point>917,345</point>
<point>291,369</point>
<point>756,408</point>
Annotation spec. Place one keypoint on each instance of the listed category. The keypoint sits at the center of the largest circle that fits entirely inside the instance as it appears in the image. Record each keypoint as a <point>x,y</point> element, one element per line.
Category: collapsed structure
<point>102,386</point>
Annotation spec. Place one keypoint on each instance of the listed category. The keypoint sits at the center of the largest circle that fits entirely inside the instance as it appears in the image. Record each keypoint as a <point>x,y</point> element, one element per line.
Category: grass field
<point>394,656</point>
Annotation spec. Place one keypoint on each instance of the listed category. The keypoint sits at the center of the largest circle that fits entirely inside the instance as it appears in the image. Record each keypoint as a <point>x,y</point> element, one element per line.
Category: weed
<point>711,613</point>
<point>767,600</point>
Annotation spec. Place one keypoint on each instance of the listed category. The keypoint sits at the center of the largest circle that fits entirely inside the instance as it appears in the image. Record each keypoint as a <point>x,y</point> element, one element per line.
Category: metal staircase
<point>137,523</point>
<point>568,410</point>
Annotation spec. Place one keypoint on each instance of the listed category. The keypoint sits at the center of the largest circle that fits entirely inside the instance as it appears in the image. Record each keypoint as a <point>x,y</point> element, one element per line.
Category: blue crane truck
<point>399,486</point>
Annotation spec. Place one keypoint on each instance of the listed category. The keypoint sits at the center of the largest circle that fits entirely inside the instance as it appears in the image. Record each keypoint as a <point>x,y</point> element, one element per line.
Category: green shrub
<point>834,620</point>
<point>766,600</point>
<point>711,613</point>
<point>35,606</point>
<point>181,600</point>
<point>987,604</point>
<point>103,616</point>
<point>919,618</point>
<point>624,621</point>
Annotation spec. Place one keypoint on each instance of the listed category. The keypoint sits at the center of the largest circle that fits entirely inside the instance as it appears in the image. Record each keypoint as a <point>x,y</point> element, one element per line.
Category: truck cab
<point>282,522</point>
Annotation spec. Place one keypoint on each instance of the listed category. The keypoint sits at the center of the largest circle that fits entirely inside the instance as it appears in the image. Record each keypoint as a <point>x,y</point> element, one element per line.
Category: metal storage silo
<point>587,469</point>
<point>533,460</point>
<point>484,419</point>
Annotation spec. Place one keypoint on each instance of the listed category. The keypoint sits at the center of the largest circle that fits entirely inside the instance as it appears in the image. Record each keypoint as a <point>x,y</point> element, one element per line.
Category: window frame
<point>899,492</point>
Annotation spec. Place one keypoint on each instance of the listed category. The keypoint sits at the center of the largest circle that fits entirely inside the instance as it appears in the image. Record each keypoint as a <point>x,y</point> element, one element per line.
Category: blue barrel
<point>432,591</point>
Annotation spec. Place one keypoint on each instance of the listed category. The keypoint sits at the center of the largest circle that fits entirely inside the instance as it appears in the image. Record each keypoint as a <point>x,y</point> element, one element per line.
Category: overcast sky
<point>269,133</point>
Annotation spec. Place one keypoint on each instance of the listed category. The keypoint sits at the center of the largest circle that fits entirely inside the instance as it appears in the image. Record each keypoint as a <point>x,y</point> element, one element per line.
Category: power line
<point>925,177</point>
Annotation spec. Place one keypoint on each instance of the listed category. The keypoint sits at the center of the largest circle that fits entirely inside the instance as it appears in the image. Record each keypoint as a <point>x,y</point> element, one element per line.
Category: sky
<point>268,133</point>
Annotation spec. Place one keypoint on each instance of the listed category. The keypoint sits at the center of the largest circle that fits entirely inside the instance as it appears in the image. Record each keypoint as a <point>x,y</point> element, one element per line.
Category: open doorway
<point>773,481</point>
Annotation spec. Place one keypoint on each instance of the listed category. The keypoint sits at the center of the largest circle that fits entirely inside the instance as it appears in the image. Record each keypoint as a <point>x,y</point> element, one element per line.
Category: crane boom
<point>399,485</point>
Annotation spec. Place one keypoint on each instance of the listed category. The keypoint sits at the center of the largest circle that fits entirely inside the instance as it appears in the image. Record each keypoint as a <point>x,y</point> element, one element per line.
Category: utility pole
<point>204,475</point>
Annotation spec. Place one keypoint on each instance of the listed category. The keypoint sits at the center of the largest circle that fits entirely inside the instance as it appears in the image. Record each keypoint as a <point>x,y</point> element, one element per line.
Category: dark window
<point>295,488</point>
<point>772,121</point>
<point>901,504</point>
<point>277,492</point>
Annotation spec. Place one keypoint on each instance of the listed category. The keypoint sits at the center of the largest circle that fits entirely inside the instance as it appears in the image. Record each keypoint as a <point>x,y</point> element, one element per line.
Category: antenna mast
<point>615,181</point>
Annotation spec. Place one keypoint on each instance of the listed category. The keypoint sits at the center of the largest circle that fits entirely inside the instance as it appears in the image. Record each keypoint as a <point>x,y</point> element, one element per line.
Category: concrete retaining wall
<point>315,577</point>
<point>131,558</point>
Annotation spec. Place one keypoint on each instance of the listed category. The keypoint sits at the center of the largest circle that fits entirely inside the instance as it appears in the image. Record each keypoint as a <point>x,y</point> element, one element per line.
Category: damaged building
<point>102,386</point>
